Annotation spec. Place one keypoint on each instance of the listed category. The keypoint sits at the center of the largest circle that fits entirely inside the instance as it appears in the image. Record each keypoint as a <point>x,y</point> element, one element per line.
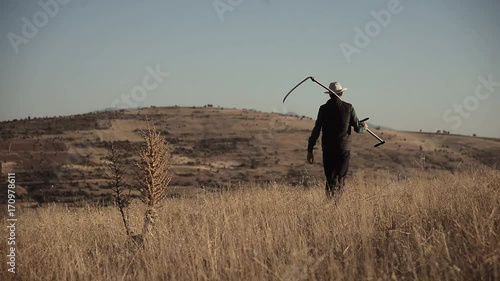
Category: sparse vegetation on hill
<point>61,159</point>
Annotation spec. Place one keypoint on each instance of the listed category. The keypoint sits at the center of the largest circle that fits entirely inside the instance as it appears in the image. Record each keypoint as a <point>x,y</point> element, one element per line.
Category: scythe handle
<point>326,88</point>
<point>381,141</point>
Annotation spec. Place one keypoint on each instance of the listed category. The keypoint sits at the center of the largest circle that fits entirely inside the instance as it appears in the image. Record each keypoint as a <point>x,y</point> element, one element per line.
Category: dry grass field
<point>424,228</point>
<point>242,203</point>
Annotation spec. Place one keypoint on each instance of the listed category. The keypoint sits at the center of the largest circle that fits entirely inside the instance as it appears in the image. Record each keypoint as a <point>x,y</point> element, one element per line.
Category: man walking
<point>335,119</point>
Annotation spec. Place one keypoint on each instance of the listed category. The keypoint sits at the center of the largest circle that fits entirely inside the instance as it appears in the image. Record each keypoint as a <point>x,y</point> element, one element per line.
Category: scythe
<point>381,141</point>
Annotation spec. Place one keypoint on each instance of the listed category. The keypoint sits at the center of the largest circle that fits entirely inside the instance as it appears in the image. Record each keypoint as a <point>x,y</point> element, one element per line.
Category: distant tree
<point>474,135</point>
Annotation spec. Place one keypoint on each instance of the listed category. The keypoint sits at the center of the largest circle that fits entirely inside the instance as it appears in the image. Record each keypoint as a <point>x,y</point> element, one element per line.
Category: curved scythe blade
<point>310,77</point>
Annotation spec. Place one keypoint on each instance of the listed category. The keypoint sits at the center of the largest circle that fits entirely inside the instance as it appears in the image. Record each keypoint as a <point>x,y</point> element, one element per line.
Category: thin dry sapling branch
<point>118,184</point>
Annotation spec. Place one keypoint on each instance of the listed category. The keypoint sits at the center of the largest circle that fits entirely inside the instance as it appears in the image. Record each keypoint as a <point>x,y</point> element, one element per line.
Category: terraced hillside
<point>64,158</point>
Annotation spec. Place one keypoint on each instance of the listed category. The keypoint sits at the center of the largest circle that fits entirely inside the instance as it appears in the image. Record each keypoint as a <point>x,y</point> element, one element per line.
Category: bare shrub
<point>153,174</point>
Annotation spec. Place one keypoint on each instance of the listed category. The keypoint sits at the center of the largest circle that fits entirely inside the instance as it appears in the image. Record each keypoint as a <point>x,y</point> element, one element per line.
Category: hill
<point>64,158</point>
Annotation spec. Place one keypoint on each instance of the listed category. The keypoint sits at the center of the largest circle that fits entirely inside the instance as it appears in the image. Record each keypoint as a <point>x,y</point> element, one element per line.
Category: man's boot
<point>340,184</point>
<point>329,190</point>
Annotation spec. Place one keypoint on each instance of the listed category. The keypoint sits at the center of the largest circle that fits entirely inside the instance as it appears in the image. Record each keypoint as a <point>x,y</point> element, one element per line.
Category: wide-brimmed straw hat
<point>336,88</point>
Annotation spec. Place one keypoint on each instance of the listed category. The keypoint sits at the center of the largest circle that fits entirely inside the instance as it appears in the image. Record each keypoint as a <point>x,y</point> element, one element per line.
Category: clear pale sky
<point>415,73</point>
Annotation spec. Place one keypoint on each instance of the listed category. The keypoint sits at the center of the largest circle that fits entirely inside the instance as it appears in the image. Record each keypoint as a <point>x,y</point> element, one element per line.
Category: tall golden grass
<point>426,228</point>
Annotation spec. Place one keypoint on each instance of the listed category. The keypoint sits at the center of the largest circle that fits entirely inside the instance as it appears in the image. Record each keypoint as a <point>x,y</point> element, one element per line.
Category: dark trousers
<point>336,165</point>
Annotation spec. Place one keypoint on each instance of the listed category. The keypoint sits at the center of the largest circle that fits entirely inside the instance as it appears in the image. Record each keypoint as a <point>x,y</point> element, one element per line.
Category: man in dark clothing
<point>335,119</point>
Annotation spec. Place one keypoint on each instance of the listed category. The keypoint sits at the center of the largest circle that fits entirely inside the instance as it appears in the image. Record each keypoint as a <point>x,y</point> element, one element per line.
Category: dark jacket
<point>335,119</point>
